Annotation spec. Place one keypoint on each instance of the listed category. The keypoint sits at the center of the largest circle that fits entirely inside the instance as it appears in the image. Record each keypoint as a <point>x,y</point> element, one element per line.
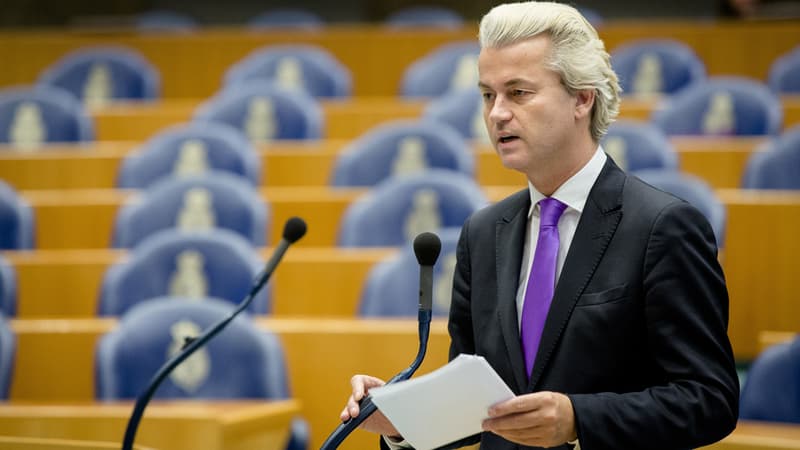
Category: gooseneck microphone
<point>426,248</point>
<point>293,230</point>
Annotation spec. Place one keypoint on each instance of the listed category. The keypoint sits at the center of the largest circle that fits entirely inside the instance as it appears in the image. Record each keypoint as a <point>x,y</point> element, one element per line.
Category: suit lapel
<point>597,225</point>
<point>509,242</point>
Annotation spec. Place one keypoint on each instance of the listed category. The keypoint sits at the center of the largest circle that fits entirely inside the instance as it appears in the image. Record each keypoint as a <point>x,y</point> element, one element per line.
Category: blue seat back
<point>450,66</point>
<point>223,147</point>
<point>234,204</point>
<point>320,73</point>
<point>771,391</point>
<point>164,262</point>
<point>425,16</point>
<point>376,156</point>
<point>163,20</point>
<point>784,73</point>
<point>777,166</point>
<point>16,220</point>
<point>282,18</point>
<point>675,65</point>
<point>462,109</point>
<point>638,145</point>
<point>8,289</point>
<point>8,350</point>
<point>54,110</point>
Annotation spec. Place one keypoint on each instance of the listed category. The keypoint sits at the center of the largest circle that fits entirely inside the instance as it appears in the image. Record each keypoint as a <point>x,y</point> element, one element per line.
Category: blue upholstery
<point>392,286</point>
<point>679,64</point>
<point>777,166</point>
<point>695,191</point>
<point>370,159</point>
<point>461,110</point>
<point>592,15</point>
<point>643,146</point>
<point>226,150</point>
<point>379,217</point>
<point>432,75</point>
<point>756,110</point>
<point>229,266</point>
<point>286,18</point>
<point>62,116</point>
<point>424,16</point>
<point>243,361</point>
<point>234,202</point>
<point>16,220</point>
<point>160,20</point>
<point>771,391</point>
<point>132,77</point>
<point>8,288</point>
<point>322,74</point>
<point>297,114</point>
<point>8,349</point>
<point>784,73</point>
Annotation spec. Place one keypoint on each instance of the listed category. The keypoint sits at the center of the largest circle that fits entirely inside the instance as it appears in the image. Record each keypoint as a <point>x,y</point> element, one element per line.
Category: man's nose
<point>499,111</point>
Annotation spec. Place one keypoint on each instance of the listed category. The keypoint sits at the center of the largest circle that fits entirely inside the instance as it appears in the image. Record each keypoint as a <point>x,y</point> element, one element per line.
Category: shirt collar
<point>575,191</point>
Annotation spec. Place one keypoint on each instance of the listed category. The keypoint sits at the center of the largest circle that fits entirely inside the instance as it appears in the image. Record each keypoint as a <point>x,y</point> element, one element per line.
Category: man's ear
<point>584,101</point>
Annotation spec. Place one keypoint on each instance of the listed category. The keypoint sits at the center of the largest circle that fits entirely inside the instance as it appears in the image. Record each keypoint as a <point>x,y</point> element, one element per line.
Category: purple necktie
<point>542,280</point>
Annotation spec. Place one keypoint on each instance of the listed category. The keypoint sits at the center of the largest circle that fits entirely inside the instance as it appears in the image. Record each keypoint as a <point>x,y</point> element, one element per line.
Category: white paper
<point>445,405</point>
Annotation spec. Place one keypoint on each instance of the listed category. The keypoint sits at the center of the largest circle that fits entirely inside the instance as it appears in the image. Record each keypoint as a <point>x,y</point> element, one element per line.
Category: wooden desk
<point>322,356</point>
<point>197,425</point>
<point>25,443</point>
<point>751,435</point>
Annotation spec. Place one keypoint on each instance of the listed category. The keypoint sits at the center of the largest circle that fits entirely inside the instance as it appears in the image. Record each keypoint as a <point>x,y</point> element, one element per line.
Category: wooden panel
<point>751,435</point>
<point>23,443</point>
<point>322,356</point>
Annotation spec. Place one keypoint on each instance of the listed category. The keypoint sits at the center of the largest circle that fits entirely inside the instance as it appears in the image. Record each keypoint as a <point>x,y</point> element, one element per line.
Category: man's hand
<point>541,419</point>
<point>377,422</point>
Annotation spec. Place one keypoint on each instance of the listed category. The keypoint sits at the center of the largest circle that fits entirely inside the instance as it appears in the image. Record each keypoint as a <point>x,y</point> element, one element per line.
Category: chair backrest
<point>265,111</point>
<point>8,349</point>
<point>401,148</point>
<point>639,145</point>
<point>721,106</point>
<point>36,115</point>
<point>462,109</point>
<point>784,73</point>
<point>396,210</point>
<point>656,66</point>
<point>449,67</point>
<point>191,265</point>
<point>307,67</point>
<point>777,166</point>
<point>99,75</point>
<point>190,149</point>
<point>242,361</point>
<point>695,191</point>
<point>8,289</point>
<point>215,200</point>
<point>771,390</point>
<point>424,16</point>
<point>16,220</point>
<point>392,286</point>
<point>283,18</point>
<point>161,20</point>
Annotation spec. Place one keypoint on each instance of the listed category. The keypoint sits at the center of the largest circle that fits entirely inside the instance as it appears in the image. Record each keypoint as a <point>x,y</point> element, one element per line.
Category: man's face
<point>530,116</point>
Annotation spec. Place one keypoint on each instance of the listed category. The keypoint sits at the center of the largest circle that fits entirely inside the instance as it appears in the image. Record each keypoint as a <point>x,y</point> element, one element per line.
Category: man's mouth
<point>506,139</point>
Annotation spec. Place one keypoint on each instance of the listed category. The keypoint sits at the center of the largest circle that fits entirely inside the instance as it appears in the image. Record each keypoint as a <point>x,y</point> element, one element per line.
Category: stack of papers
<point>445,405</point>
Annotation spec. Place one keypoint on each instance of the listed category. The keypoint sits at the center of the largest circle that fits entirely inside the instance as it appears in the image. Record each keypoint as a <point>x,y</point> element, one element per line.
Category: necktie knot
<point>550,211</point>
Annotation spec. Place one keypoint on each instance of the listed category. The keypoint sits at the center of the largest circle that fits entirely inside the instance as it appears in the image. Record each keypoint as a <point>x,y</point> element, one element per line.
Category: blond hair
<point>578,55</point>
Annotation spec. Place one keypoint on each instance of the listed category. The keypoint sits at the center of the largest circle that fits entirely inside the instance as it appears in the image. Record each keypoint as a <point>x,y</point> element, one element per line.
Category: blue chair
<point>216,200</point>
<point>638,145</point>
<point>424,16</point>
<point>448,67</point>
<point>771,391</point>
<point>399,148</point>
<point>193,265</point>
<point>36,115</point>
<point>16,220</point>
<point>241,362</point>
<point>695,191</point>
<point>392,286</point>
<point>99,75</point>
<point>461,109</point>
<point>162,20</point>
<point>265,111</point>
<point>306,66</point>
<point>656,66</point>
<point>190,149</point>
<point>777,166</point>
<point>396,210</point>
<point>283,18</point>
<point>8,349</point>
<point>784,73</point>
<point>592,15</point>
<point>721,106</point>
<point>8,289</point>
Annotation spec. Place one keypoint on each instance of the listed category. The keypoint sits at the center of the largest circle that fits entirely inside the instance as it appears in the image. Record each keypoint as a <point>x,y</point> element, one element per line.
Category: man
<point>625,347</point>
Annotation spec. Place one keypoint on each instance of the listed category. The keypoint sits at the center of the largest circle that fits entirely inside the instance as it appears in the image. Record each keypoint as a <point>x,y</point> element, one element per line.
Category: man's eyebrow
<point>509,83</point>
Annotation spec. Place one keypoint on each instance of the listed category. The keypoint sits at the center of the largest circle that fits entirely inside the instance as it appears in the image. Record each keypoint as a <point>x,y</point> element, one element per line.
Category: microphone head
<point>427,247</point>
<point>294,229</point>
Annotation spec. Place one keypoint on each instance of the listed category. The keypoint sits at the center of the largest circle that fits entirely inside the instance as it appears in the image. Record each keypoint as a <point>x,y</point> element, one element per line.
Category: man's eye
<point>518,92</point>
<point>487,96</point>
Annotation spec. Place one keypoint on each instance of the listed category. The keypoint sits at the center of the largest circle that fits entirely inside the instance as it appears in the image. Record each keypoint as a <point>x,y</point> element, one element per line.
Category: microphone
<point>293,230</point>
<point>426,248</point>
